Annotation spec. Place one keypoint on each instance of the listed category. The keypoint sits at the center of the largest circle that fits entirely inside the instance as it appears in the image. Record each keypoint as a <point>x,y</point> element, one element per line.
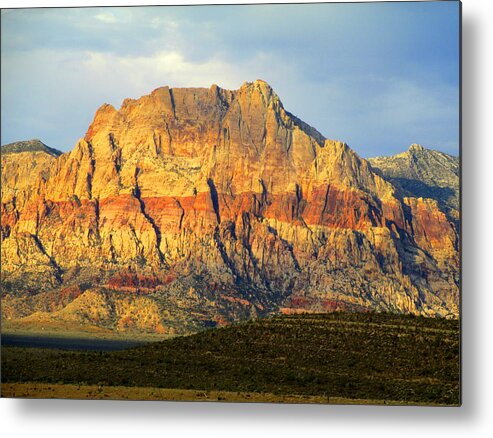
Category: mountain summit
<point>192,207</point>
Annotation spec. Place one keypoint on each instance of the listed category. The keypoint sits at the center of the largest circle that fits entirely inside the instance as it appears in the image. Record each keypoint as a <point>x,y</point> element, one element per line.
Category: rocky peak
<point>416,148</point>
<point>259,86</point>
<point>425,173</point>
<point>217,132</point>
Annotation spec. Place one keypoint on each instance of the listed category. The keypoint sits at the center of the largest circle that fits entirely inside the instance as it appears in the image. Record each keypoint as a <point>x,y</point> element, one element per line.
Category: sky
<point>379,76</point>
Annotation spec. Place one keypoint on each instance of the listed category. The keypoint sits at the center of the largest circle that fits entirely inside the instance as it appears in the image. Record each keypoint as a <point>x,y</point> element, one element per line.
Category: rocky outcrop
<point>25,167</point>
<point>234,207</point>
<point>421,172</point>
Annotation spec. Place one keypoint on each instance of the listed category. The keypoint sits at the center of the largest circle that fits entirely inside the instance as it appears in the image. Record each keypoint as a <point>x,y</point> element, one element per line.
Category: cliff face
<point>215,205</point>
<point>24,164</point>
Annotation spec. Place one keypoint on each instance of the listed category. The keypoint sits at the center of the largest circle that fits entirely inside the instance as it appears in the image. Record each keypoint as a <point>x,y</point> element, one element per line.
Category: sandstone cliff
<point>205,206</point>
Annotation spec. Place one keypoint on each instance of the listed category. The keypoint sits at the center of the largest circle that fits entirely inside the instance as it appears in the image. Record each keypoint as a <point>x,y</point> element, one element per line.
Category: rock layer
<point>233,206</point>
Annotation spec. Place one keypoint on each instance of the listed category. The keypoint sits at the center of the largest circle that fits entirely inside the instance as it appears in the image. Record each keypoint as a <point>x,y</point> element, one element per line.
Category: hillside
<point>34,145</point>
<point>368,357</point>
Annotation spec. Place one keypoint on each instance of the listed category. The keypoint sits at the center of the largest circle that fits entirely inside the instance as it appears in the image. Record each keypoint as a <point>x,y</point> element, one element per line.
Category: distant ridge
<point>34,145</point>
<point>426,173</point>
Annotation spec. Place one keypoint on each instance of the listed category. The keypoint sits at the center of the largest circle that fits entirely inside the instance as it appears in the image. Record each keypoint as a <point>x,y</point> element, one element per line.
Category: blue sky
<point>378,76</point>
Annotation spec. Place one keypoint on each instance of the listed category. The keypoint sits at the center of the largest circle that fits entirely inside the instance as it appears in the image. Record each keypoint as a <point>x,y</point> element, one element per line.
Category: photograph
<point>255,203</point>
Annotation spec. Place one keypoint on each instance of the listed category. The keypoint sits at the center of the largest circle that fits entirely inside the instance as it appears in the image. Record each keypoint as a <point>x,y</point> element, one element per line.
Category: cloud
<point>137,75</point>
<point>106,18</point>
<point>142,73</point>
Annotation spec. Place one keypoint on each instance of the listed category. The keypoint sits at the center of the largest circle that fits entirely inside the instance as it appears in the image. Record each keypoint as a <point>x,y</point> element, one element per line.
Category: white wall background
<point>72,418</point>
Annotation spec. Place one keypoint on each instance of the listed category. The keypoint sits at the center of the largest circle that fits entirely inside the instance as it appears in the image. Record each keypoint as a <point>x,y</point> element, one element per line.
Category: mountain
<point>24,165</point>
<point>34,145</point>
<point>195,207</point>
<point>425,173</point>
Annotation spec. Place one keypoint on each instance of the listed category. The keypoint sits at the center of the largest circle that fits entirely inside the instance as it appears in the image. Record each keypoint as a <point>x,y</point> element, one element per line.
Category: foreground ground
<point>335,358</point>
<point>95,392</point>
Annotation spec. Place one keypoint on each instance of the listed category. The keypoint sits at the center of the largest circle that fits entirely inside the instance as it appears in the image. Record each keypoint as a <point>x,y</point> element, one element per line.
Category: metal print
<point>266,208</point>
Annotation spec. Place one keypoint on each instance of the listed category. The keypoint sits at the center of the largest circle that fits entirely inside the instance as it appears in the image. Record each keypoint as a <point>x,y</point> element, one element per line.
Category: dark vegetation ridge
<point>357,356</point>
<point>34,145</point>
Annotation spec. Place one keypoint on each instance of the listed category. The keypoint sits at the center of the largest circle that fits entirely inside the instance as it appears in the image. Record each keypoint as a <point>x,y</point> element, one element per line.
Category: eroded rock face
<point>234,205</point>
<point>25,167</point>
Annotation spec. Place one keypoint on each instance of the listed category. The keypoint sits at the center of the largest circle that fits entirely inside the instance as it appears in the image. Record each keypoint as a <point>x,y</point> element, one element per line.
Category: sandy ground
<point>94,392</point>
<point>76,331</point>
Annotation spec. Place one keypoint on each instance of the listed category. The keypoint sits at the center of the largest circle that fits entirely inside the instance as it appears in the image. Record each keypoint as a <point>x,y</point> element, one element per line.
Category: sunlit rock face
<point>215,205</point>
